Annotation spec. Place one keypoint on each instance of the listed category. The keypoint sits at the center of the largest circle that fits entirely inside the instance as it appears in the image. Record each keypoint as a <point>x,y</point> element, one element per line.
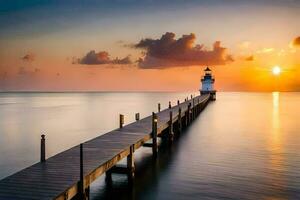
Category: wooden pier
<point>68,175</point>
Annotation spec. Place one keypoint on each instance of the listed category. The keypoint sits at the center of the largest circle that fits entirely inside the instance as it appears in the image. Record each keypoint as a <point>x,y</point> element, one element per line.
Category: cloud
<point>296,42</point>
<point>249,58</point>
<point>28,57</point>
<point>102,57</point>
<point>170,52</point>
<point>244,45</point>
<point>265,50</point>
<point>27,71</point>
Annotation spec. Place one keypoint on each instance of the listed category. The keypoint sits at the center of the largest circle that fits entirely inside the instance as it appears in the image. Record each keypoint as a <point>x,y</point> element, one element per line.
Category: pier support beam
<point>121,120</point>
<point>179,121</point>
<point>154,135</point>
<point>43,148</point>
<point>83,192</point>
<point>158,107</point>
<point>193,109</point>
<point>198,107</point>
<point>186,118</point>
<point>171,133</point>
<point>137,116</point>
<point>130,164</point>
<point>108,177</point>
<point>128,170</point>
<point>189,114</point>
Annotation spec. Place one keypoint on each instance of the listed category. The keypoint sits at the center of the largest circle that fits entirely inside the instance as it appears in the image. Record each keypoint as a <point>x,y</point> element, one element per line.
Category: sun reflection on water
<point>275,136</point>
<point>276,147</point>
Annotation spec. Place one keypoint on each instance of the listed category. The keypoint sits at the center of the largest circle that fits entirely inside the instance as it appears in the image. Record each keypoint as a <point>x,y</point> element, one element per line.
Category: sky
<point>148,45</point>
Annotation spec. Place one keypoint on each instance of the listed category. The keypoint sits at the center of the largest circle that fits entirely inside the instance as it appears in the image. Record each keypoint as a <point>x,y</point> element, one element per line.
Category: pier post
<point>137,116</point>
<point>81,181</point>
<point>170,105</point>
<point>178,102</point>
<point>108,177</point>
<point>179,120</point>
<point>198,108</point>
<point>158,107</point>
<point>87,193</point>
<point>154,134</point>
<point>121,120</point>
<point>43,148</point>
<point>193,109</point>
<point>130,163</point>
<point>186,117</point>
<point>171,133</point>
<point>189,114</point>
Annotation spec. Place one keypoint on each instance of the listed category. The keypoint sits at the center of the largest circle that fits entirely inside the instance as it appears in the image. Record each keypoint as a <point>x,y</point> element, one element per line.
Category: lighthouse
<point>207,84</point>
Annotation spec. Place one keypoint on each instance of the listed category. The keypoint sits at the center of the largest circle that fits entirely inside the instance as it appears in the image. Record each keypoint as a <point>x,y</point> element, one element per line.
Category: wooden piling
<point>178,102</point>
<point>87,193</point>
<point>158,107</point>
<point>43,148</point>
<point>137,116</point>
<point>193,109</point>
<point>121,120</point>
<point>154,135</point>
<point>81,181</point>
<point>189,114</point>
<point>108,177</point>
<point>198,108</point>
<point>179,120</point>
<point>130,163</point>
<point>171,133</point>
<point>186,117</point>
<point>170,106</point>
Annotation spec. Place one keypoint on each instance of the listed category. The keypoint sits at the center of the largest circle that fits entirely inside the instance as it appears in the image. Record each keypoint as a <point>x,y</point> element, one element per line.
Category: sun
<point>276,70</point>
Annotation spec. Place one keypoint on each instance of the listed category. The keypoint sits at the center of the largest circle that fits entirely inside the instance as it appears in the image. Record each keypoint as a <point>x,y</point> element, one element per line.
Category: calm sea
<point>243,146</point>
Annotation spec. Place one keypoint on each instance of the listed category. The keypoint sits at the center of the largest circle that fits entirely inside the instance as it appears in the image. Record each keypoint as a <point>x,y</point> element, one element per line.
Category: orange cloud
<point>266,50</point>
<point>28,57</point>
<point>296,42</point>
<point>170,52</point>
<point>249,58</point>
<point>102,57</point>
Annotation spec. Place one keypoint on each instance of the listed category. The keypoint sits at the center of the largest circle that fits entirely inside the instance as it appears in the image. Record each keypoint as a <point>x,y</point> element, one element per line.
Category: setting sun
<point>276,70</point>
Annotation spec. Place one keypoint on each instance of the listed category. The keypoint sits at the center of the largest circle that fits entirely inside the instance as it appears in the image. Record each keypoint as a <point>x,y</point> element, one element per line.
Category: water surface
<point>243,146</point>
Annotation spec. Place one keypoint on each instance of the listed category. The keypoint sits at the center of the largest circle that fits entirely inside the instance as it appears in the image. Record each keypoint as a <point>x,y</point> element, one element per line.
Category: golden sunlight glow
<point>276,142</point>
<point>276,70</point>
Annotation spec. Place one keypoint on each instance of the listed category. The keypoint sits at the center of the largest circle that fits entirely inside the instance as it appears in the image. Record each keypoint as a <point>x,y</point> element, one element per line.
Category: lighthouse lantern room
<point>207,82</point>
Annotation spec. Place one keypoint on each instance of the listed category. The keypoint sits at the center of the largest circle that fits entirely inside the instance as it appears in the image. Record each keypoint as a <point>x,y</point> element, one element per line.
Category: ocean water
<point>242,146</point>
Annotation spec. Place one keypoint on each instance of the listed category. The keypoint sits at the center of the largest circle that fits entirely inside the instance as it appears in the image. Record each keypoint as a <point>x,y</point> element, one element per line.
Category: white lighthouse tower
<point>207,84</point>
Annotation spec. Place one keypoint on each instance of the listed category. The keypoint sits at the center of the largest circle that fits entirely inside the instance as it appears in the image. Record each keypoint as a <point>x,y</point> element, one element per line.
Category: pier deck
<point>58,177</point>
